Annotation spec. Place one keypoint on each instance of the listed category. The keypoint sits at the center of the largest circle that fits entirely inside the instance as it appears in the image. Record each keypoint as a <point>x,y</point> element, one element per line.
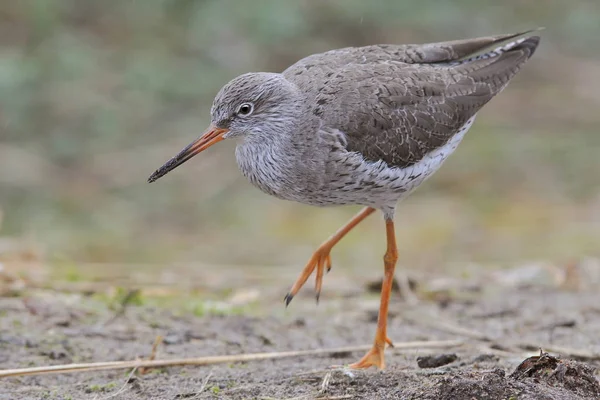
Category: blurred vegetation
<point>96,94</point>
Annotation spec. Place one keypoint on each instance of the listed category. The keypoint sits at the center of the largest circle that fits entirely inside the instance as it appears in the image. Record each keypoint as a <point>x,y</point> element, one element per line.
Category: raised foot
<point>373,358</point>
<point>321,262</point>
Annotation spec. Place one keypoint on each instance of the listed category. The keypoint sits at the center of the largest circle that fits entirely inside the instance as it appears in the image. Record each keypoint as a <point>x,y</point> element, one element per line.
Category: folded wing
<point>398,103</point>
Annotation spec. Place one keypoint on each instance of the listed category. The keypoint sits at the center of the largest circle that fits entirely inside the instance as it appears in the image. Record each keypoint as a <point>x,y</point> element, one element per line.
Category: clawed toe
<point>288,298</point>
<point>318,263</point>
<point>389,342</point>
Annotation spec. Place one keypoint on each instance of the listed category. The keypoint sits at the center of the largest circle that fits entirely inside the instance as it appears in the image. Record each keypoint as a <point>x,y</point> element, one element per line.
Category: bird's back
<point>397,103</point>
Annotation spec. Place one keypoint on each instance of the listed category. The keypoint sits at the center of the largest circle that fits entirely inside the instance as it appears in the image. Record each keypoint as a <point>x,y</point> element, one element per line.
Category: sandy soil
<point>500,327</point>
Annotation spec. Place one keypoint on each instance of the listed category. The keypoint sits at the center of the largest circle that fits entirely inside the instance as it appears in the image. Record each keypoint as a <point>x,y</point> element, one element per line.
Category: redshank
<point>359,125</point>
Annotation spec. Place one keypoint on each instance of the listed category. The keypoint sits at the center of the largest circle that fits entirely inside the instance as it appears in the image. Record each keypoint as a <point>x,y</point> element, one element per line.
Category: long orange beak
<point>211,136</point>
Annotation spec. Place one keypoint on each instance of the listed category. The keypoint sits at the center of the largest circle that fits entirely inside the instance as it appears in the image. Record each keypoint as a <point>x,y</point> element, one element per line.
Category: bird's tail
<point>499,65</point>
<point>503,44</point>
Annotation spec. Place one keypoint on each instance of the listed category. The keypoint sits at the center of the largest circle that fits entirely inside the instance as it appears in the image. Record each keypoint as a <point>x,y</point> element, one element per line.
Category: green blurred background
<point>96,94</point>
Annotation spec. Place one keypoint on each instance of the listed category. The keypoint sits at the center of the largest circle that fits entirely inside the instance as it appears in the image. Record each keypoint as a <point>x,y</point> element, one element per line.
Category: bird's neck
<point>278,164</point>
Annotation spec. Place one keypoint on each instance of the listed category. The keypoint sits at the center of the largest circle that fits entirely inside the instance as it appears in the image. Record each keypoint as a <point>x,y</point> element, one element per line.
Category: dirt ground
<point>501,322</point>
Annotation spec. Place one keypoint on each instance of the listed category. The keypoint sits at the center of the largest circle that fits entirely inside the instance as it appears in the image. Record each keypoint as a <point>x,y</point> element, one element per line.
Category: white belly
<point>378,185</point>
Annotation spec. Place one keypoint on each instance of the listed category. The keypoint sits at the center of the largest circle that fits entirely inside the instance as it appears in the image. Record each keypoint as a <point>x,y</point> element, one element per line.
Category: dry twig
<point>152,357</point>
<point>86,367</point>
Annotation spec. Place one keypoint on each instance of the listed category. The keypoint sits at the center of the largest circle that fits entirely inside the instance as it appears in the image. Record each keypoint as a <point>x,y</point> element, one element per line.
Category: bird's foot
<point>374,358</point>
<point>321,262</point>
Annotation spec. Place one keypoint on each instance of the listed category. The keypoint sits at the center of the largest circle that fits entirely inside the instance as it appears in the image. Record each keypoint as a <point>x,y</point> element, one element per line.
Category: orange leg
<point>321,260</point>
<point>375,356</point>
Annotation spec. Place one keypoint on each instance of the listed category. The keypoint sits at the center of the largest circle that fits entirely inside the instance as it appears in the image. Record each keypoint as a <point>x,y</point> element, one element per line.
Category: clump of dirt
<point>540,377</point>
<point>435,361</point>
<point>548,370</point>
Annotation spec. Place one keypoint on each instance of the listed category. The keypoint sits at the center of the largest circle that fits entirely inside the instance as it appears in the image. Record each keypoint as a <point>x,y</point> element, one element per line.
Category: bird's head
<point>252,106</point>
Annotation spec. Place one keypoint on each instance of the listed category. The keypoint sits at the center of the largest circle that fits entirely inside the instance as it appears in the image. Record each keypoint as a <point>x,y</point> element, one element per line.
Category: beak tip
<point>210,137</point>
<point>154,176</point>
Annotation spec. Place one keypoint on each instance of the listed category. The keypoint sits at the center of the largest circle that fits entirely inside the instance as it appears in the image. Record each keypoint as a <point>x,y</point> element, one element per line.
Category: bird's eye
<point>245,109</point>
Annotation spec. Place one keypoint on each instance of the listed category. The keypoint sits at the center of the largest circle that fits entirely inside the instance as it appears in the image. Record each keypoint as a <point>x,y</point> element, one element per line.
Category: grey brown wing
<point>398,112</point>
<point>319,66</point>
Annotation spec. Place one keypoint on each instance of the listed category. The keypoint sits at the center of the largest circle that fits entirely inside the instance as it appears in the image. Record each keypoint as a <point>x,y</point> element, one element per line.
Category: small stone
<point>57,354</point>
<point>436,360</point>
<point>173,338</point>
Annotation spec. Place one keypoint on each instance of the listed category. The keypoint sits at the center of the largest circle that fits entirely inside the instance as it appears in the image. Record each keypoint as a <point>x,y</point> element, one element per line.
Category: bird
<point>360,126</point>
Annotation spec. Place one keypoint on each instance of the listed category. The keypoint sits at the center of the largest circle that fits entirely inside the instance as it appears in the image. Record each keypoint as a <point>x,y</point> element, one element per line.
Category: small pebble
<point>435,361</point>
<point>173,339</point>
